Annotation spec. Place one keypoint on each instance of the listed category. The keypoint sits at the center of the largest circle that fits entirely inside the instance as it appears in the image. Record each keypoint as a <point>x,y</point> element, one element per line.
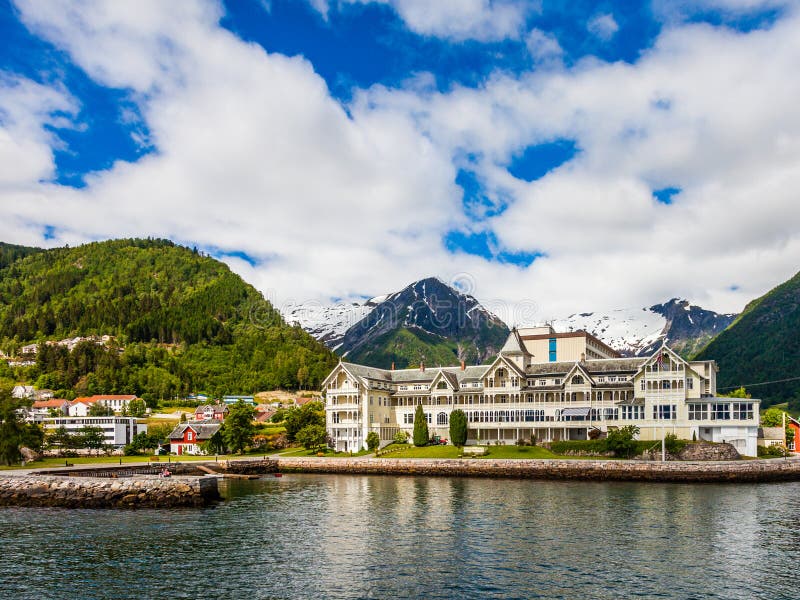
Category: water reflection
<point>305,536</point>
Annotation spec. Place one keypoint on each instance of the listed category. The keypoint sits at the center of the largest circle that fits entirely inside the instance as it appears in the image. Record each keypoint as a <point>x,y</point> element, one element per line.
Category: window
<point>190,435</point>
<point>557,381</point>
<point>611,413</point>
<point>664,411</point>
<point>642,384</point>
<point>698,412</point>
<point>441,419</point>
<point>632,412</point>
<point>721,412</point>
<point>408,419</point>
<point>441,385</point>
<point>601,380</point>
<point>428,418</point>
<point>553,352</point>
<point>743,410</point>
<point>543,382</point>
<point>577,380</point>
<point>690,383</point>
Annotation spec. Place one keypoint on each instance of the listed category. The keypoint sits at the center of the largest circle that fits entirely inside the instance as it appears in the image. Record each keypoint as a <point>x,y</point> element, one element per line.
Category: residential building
<point>42,408</point>
<point>23,391</point>
<point>771,436</point>
<point>524,394</point>
<point>794,444</point>
<point>187,438</point>
<point>118,431</point>
<point>216,412</point>
<point>114,402</point>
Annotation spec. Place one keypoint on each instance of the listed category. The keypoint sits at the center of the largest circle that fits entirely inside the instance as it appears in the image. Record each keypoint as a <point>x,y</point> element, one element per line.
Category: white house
<point>23,391</point>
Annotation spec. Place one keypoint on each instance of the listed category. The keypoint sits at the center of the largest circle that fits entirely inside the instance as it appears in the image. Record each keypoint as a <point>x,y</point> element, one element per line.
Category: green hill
<point>761,345</point>
<point>10,253</point>
<point>182,322</point>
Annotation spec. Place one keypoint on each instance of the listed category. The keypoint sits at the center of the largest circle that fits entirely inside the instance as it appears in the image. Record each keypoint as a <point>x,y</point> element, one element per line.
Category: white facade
<point>117,431</point>
<point>520,396</point>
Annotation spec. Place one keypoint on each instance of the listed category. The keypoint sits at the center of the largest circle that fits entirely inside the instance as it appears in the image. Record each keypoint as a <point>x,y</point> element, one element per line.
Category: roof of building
<point>54,403</point>
<point>204,430</point>
<point>99,397</point>
<point>771,433</point>
<point>601,365</point>
<point>513,344</point>
<point>204,407</point>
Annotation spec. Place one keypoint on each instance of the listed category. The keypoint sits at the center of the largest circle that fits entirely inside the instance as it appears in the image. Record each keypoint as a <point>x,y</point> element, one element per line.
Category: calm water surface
<point>317,536</point>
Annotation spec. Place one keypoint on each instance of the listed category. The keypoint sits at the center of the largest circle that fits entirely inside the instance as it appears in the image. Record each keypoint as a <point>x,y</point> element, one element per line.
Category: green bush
<point>458,428</point>
<point>373,441</point>
<point>584,446</point>
<point>401,437</point>
<point>770,451</point>
<point>672,444</point>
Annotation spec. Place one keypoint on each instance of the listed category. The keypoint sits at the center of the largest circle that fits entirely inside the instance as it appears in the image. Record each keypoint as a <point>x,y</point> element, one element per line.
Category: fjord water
<point>318,536</point>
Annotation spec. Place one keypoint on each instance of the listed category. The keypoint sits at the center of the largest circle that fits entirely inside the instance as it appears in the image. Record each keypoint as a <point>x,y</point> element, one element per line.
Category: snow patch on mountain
<point>627,330</point>
<point>328,323</point>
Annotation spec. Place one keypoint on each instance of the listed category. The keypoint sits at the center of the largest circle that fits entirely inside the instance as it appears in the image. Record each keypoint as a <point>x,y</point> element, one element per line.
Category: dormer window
<point>577,380</point>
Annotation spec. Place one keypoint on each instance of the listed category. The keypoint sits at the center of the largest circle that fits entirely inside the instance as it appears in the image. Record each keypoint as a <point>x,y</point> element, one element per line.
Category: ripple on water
<point>304,536</point>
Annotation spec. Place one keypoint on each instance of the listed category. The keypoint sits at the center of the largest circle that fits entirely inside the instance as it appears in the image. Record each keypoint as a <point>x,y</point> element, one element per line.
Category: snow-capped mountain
<point>328,323</point>
<point>638,331</point>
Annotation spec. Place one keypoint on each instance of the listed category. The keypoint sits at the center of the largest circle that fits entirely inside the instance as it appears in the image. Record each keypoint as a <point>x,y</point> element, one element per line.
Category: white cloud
<point>254,155</point>
<point>543,46</point>
<point>603,26</point>
<point>457,20</point>
<point>26,145</point>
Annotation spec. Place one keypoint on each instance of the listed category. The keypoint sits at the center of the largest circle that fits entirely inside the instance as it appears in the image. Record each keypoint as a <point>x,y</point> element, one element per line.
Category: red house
<point>794,425</point>
<point>187,438</point>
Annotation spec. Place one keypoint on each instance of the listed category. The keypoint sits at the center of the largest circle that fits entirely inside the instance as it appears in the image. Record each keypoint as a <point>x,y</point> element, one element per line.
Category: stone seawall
<point>94,492</point>
<point>750,471</point>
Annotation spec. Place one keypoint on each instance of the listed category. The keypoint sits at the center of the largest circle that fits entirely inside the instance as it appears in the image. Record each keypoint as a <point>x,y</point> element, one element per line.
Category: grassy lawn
<point>408,451</point>
<point>328,453</point>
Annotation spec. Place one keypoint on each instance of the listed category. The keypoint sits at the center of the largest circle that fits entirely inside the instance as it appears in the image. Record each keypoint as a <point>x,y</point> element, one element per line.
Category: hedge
<point>595,446</point>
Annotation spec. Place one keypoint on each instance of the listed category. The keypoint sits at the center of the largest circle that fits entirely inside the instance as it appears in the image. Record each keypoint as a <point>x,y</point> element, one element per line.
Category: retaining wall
<point>596,470</point>
<point>91,492</point>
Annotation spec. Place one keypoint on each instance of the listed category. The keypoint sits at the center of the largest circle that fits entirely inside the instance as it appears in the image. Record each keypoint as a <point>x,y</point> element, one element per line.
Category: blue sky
<point>514,140</point>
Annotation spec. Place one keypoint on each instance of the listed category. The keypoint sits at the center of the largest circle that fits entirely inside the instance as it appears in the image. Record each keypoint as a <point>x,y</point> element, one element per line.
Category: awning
<point>575,412</point>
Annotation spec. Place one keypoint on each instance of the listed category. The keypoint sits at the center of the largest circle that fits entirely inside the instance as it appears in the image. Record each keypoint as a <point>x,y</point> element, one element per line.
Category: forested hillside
<point>181,321</point>
<point>763,345</point>
<point>10,253</point>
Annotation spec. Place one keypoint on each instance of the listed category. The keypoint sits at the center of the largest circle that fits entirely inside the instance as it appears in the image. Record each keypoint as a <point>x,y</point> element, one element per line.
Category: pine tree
<point>420,427</point>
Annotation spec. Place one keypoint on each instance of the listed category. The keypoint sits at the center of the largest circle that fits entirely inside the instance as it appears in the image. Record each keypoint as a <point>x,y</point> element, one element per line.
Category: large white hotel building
<point>543,384</point>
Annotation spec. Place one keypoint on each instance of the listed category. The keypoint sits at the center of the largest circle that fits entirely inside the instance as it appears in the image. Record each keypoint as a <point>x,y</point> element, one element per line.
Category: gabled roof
<point>593,367</point>
<point>204,430</point>
<point>578,366</point>
<point>513,344</point>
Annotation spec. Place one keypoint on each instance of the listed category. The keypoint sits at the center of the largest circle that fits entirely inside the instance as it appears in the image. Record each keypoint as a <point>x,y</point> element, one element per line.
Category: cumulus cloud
<point>543,47</point>
<point>254,155</point>
<point>458,20</point>
<point>603,26</point>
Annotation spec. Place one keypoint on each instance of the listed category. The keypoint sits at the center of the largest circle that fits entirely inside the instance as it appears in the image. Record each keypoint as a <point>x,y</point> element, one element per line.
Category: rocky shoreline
<point>742,471</point>
<point>97,492</point>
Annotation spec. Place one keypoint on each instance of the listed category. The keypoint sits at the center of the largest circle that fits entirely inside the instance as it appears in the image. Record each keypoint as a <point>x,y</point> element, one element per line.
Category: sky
<point>547,157</point>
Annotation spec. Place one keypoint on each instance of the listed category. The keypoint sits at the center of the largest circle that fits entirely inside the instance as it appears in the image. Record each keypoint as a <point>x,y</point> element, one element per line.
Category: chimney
<point>392,365</point>
<point>422,366</point>
<point>463,366</point>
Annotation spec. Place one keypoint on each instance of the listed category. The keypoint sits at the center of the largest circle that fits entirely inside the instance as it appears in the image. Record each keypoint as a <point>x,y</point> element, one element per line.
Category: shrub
<point>522,442</point>
<point>458,428</point>
<point>401,437</point>
<point>770,451</point>
<point>594,434</point>
<point>373,441</point>
<point>672,444</point>
<point>622,441</point>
